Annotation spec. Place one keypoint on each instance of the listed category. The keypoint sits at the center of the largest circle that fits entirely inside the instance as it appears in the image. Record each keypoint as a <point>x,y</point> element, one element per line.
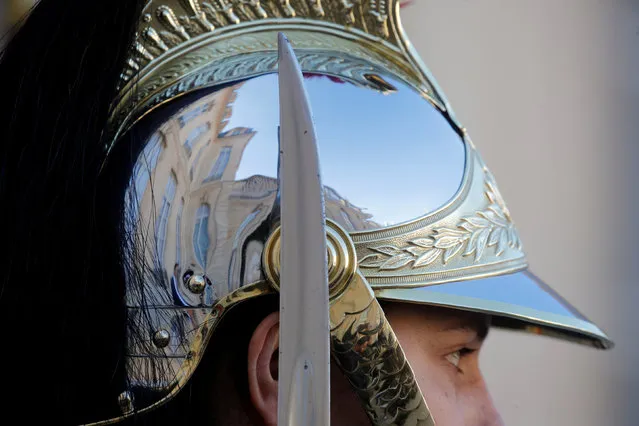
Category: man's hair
<point>62,284</point>
<point>218,393</point>
<point>62,317</point>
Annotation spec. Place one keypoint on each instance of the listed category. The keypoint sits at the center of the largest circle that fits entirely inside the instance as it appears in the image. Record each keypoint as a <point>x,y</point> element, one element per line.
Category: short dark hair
<point>218,392</point>
<point>62,316</point>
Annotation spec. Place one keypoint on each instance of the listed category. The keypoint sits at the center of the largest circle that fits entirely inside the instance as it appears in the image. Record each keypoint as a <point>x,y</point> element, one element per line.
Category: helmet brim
<point>516,301</point>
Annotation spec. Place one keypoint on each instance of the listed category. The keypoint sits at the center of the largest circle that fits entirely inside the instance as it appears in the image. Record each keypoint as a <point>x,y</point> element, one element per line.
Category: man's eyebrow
<point>480,328</point>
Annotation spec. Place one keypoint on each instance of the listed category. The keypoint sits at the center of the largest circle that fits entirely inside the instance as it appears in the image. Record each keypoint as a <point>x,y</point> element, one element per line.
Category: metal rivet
<point>146,17</point>
<point>196,284</point>
<point>125,401</point>
<point>161,338</point>
<point>341,257</point>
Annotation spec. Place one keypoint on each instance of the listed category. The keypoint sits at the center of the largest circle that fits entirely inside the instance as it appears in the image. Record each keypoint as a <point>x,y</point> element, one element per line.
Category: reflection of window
<point>253,268</point>
<point>195,161</point>
<point>331,193</point>
<point>248,219</point>
<point>178,234</point>
<point>142,171</point>
<point>163,219</point>
<point>190,115</point>
<point>347,219</point>
<point>228,112</point>
<point>177,331</point>
<point>220,164</point>
<point>181,325</point>
<point>210,296</point>
<point>195,135</point>
<point>234,132</point>
<point>200,234</point>
<point>145,165</point>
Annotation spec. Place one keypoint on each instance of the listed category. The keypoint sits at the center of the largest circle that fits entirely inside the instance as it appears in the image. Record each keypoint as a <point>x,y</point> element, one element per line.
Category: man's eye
<point>455,357</point>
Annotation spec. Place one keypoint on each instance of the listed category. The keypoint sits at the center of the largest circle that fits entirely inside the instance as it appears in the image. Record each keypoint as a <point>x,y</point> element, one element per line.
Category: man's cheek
<point>437,383</point>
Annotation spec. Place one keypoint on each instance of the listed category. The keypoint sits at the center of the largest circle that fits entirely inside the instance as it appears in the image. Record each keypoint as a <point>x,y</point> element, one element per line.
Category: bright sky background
<point>393,155</point>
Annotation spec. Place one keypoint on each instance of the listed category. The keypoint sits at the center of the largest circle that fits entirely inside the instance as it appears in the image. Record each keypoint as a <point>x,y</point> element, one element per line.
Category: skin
<point>441,345</point>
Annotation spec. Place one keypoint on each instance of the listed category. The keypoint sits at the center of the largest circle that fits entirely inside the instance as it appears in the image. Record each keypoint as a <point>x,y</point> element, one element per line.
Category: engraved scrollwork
<point>196,21</point>
<point>198,15</point>
<point>490,227</point>
<point>153,39</point>
<point>378,9</point>
<point>287,9</point>
<point>143,52</point>
<point>366,349</point>
<point>213,14</point>
<point>351,65</point>
<point>225,8</point>
<point>251,10</point>
<point>347,11</point>
<point>168,30</point>
<point>316,7</point>
<point>167,17</point>
<point>177,21</point>
<point>170,39</point>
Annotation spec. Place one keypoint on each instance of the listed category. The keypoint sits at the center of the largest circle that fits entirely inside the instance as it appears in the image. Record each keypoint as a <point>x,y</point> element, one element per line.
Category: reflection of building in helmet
<point>190,216</point>
<point>200,217</point>
<point>349,216</point>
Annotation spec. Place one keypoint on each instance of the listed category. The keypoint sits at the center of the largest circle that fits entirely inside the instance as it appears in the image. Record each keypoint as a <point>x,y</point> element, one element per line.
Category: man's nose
<point>490,414</point>
<point>493,418</point>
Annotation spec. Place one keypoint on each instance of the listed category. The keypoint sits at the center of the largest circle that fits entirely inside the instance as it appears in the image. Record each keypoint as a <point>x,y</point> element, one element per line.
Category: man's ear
<point>262,354</point>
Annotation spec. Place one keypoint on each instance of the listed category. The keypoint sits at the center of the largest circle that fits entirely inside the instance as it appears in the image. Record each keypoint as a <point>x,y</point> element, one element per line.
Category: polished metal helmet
<point>412,212</point>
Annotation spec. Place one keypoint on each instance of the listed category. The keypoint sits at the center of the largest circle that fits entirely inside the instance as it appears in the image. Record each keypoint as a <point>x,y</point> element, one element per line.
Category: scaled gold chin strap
<point>362,341</point>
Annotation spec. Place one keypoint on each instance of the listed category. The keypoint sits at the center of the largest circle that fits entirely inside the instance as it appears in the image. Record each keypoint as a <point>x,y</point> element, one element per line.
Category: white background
<point>549,91</point>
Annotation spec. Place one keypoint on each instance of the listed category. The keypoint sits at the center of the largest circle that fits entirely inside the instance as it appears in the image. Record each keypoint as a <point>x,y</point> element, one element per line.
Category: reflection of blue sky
<point>515,289</point>
<point>392,155</point>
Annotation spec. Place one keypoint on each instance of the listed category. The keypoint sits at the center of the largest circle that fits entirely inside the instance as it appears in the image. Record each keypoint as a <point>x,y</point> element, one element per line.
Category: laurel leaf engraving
<point>514,242</point>
<point>416,251</point>
<point>495,235</point>
<point>451,252</point>
<point>449,232</point>
<point>423,242</point>
<point>446,242</point>
<point>494,218</point>
<point>477,222</point>
<point>492,193</point>
<point>473,235</point>
<point>427,258</point>
<point>372,261</point>
<point>503,242</point>
<point>396,262</point>
<point>472,243</point>
<point>388,250</point>
<point>481,243</point>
